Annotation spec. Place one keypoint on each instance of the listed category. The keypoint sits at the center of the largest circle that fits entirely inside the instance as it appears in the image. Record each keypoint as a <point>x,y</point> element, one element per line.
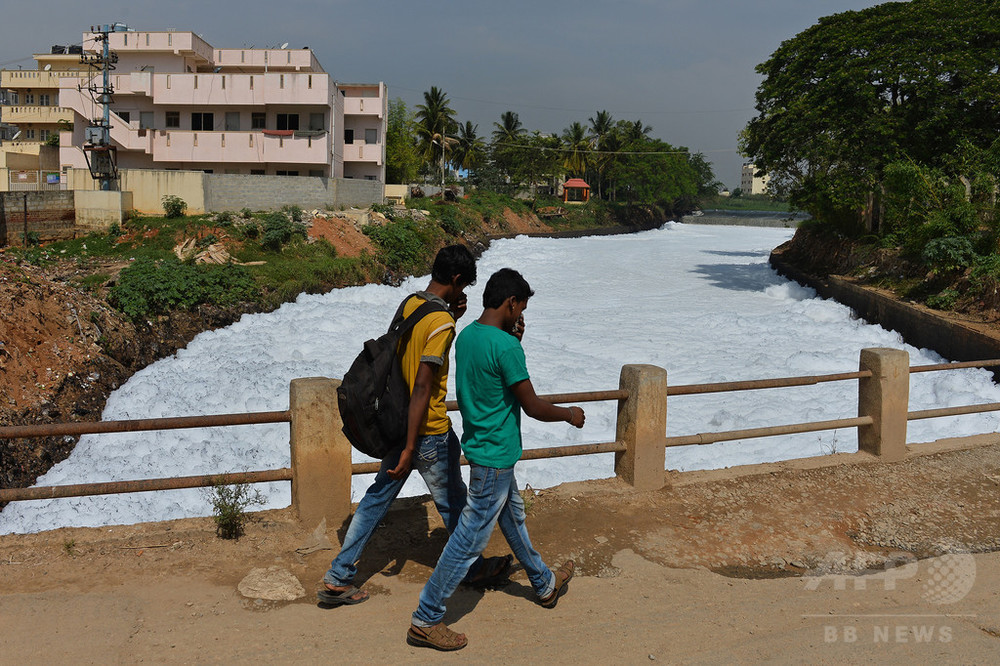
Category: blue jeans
<point>437,460</point>
<point>493,498</point>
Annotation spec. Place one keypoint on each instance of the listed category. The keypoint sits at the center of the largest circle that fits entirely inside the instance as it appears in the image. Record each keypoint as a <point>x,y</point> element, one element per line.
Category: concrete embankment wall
<point>747,218</point>
<point>919,326</point>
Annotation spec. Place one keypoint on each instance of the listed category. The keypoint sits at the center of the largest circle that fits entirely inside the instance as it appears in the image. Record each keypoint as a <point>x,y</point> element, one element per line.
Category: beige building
<point>751,183</point>
<point>180,103</point>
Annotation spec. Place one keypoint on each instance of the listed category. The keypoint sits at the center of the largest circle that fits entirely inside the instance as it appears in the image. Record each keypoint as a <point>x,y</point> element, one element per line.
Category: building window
<point>256,172</point>
<point>251,83</point>
<point>195,81</point>
<point>203,121</point>
<point>316,121</point>
<point>170,39</point>
<point>281,80</point>
<point>126,116</point>
<point>223,81</point>
<point>258,120</point>
<point>145,120</point>
<point>370,178</point>
<point>29,98</point>
<point>371,136</point>
<point>43,135</point>
<point>282,172</point>
<point>29,134</point>
<point>232,121</point>
<point>43,100</point>
<point>316,173</point>
<point>288,121</point>
<point>310,81</point>
<point>147,39</point>
<point>348,136</point>
<point>173,120</point>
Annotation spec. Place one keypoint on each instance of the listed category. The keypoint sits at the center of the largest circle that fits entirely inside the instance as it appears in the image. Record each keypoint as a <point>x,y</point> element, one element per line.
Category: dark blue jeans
<point>437,461</point>
<point>493,498</point>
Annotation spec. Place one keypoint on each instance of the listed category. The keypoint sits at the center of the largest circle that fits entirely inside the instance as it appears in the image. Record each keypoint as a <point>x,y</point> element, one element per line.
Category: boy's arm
<point>541,410</point>
<point>420,398</point>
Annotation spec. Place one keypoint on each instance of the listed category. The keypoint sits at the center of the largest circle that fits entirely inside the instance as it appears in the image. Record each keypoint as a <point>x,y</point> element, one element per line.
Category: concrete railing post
<point>321,454</point>
<point>642,425</point>
<point>884,397</point>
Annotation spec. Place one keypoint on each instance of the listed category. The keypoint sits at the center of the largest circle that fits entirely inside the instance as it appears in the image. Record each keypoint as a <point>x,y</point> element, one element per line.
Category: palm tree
<point>469,151</point>
<point>509,130</point>
<point>636,131</point>
<point>435,122</point>
<point>600,127</point>
<point>577,159</point>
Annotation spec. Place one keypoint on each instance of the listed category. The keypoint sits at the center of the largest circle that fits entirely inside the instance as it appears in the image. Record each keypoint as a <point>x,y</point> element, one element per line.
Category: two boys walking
<point>493,387</point>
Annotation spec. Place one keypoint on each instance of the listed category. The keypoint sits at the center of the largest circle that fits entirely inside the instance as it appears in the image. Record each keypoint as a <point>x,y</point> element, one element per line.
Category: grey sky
<point>685,67</point>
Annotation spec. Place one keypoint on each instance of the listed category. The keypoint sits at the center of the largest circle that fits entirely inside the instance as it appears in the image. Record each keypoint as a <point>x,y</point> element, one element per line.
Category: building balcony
<point>34,79</point>
<point>363,152</point>
<point>226,89</point>
<point>41,115</point>
<point>363,106</point>
<point>239,147</point>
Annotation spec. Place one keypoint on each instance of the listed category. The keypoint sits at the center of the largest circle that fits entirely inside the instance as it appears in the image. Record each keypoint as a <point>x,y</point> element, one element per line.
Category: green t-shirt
<point>488,362</point>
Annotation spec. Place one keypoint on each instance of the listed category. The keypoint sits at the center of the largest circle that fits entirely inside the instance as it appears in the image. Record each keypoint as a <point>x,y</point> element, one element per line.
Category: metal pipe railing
<point>753,384</point>
<point>955,366</point>
<point>751,433</point>
<point>139,425</point>
<point>560,398</point>
<point>143,485</point>
<point>952,411</point>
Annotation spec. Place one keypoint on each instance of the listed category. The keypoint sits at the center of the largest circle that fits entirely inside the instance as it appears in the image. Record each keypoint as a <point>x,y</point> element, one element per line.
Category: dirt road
<point>793,563</point>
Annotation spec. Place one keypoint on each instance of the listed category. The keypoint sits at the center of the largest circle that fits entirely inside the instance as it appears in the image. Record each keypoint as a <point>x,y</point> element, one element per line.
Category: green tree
<point>402,160</point>
<point>508,148</point>
<point>470,151</point>
<point>601,127</point>
<point>577,156</point>
<point>435,128</point>
<point>862,89</point>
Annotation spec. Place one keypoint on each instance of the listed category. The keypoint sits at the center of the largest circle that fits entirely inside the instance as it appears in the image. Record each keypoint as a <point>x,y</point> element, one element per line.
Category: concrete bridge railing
<point>321,466</point>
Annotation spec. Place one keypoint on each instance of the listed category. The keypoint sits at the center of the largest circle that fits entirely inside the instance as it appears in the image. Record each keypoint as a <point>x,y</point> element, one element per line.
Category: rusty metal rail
<point>952,411</point>
<point>143,485</point>
<point>992,363</point>
<point>751,433</point>
<point>138,425</point>
<point>560,398</point>
<point>778,382</point>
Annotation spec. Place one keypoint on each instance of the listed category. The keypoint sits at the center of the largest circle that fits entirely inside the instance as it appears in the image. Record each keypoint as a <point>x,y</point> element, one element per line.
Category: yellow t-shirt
<point>429,341</point>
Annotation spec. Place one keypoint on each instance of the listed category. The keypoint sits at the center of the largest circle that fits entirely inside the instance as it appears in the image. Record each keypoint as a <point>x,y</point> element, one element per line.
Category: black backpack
<point>374,398</point>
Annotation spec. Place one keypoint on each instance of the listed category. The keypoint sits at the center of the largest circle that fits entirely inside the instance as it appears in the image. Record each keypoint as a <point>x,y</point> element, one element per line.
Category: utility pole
<point>101,155</point>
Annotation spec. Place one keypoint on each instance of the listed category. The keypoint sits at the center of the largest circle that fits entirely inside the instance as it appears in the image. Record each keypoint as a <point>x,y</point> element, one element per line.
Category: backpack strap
<point>402,326</point>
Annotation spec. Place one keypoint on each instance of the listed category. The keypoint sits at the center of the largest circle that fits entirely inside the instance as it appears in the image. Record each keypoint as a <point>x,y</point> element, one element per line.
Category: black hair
<point>503,284</point>
<point>453,260</point>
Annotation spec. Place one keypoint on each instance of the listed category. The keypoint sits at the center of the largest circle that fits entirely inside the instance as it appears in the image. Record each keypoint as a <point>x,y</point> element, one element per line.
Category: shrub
<point>278,230</point>
<point>229,505</point>
<point>225,218</point>
<point>294,212</point>
<point>945,300</point>
<point>173,205</point>
<point>399,242</point>
<point>246,213</point>
<point>148,288</point>
<point>950,253</point>
<point>32,239</point>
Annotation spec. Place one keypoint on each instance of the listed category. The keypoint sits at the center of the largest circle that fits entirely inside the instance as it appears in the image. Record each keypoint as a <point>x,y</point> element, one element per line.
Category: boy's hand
<point>518,330</point>
<point>576,416</point>
<point>461,305</point>
<point>403,466</point>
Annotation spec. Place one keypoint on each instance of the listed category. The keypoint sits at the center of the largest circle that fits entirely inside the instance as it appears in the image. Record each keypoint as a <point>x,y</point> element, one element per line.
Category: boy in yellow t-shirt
<point>431,445</point>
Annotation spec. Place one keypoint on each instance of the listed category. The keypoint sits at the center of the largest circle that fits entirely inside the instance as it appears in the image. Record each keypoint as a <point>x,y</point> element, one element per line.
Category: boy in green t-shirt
<point>493,387</point>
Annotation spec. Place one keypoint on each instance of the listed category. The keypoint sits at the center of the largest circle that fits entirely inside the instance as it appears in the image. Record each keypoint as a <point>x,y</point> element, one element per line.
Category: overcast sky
<point>685,67</point>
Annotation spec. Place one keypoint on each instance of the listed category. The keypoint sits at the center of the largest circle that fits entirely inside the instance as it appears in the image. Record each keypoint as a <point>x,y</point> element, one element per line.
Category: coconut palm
<point>469,150</point>
<point>435,125</point>
<point>509,130</point>
<point>601,126</point>
<point>577,145</point>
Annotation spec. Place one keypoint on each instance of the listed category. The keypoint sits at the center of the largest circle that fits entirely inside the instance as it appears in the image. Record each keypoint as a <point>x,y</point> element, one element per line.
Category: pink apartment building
<point>180,103</point>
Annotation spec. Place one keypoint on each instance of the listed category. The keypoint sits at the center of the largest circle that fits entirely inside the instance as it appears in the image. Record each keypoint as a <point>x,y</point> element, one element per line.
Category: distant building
<point>751,183</point>
<point>181,103</point>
